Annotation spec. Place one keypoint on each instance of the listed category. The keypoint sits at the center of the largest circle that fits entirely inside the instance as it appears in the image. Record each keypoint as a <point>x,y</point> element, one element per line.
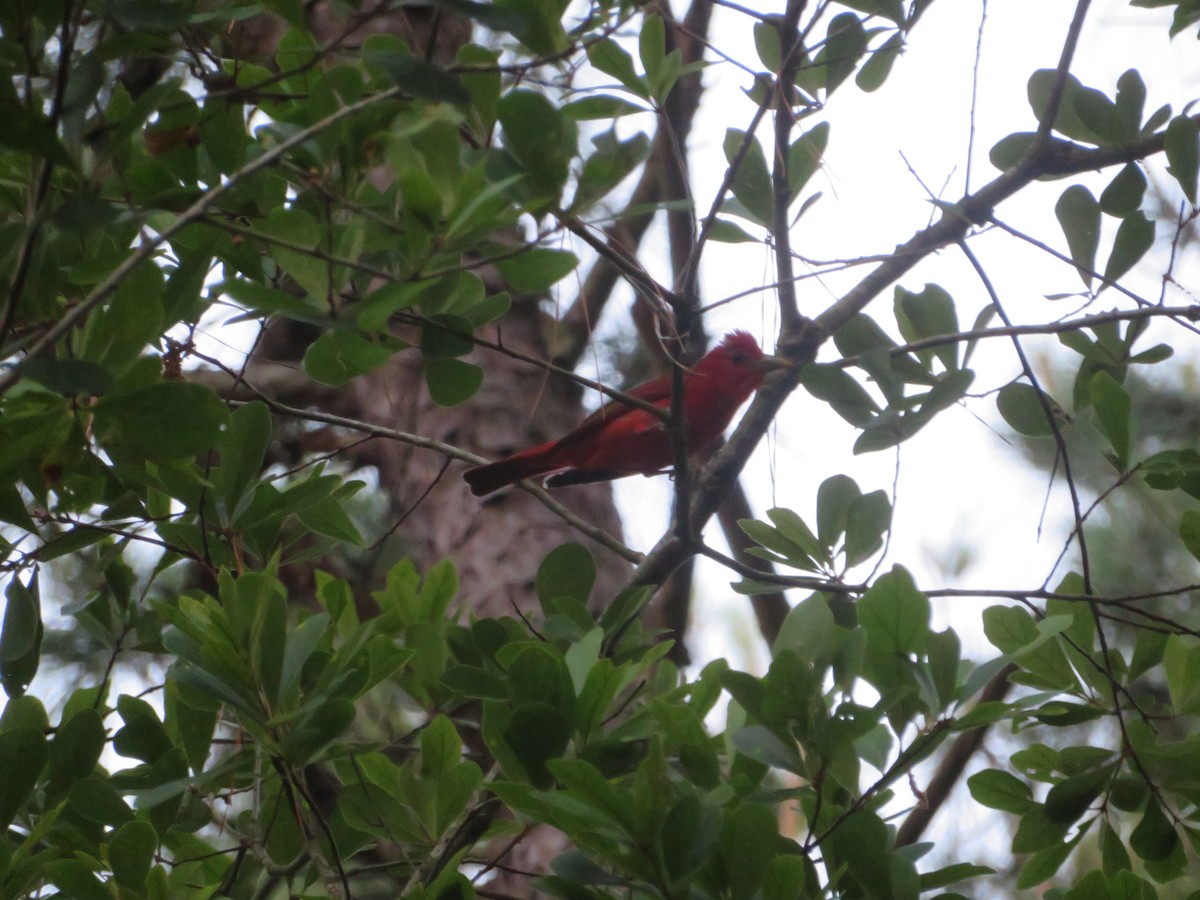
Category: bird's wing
<point>656,391</point>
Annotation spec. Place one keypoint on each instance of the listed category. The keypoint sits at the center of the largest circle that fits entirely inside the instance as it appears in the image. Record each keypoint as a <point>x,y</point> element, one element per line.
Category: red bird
<point>618,440</point>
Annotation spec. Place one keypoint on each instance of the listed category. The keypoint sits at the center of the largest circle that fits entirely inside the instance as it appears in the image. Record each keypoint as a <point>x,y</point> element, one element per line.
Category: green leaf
<point>1061,714</point>
<point>1123,195</point>
<point>536,23</point>
<point>414,76</point>
<point>868,518</point>
<point>1010,150</point>
<point>539,674</point>
<point>452,381</point>
<point>374,312</point>
<point>28,130</point>
<point>243,447</point>
<point>1189,531</point>
<point>1020,407</point>
<point>688,837</point>
<point>834,499</point>
<point>162,421</point>
<point>837,387</point>
<point>12,509</point>
<point>1131,100</point>
<point>445,336</point>
<point>1181,665</point>
<point>96,800</point>
<point>539,138</point>
<point>302,234</point>
<point>23,755</point>
<point>879,64</point>
<point>599,107</point>
<point>269,301</point>
<point>810,630</point>
<point>341,355</point>
<point>476,683</point>
<point>752,180</point>
<point>930,313</point>
<point>1113,414</point>
<point>612,59</point>
<point>727,232</point>
<point>1154,838</point>
<point>567,571</point>
<point>69,377</point>
<point>1158,118</point>
<point>1183,153</point>
<point>1156,354</point>
<point>116,335</point>
<point>766,42</point>
<point>143,735</point>
<point>314,732</point>
<point>794,530</point>
<point>537,733</point>
<point>223,136</point>
<point>1114,857</point>
<point>1046,863</point>
<point>1000,790</point>
<point>22,712</point>
<point>441,748</point>
<point>860,845</point>
<point>652,51</point>
<point>535,270</point>
<point>75,751</point>
<point>763,745</point>
<point>510,17</point>
<point>749,837</point>
<point>131,853</point>
<point>612,162</point>
<point>20,635</point>
<point>804,157</point>
<point>895,615</point>
<point>782,549</point>
<point>845,43</point>
<point>953,874</point>
<point>329,517</point>
<point>889,9</point>
<point>75,880</point>
<point>1099,116</point>
<point>1039,88</point>
<point>1079,215</point>
<point>1032,644</point>
<point>1134,238</point>
<point>1071,797</point>
<point>483,84</point>
<point>293,225</point>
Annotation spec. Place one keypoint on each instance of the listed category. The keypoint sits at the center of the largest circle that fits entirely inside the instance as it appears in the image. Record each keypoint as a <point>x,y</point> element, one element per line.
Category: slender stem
<point>790,52</point>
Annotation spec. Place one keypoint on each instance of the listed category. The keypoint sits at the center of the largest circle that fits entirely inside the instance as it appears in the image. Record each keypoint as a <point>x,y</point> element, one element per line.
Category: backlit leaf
<point>1079,215</point>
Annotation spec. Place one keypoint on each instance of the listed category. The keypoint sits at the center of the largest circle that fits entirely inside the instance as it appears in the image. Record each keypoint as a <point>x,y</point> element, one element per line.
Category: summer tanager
<point>618,440</point>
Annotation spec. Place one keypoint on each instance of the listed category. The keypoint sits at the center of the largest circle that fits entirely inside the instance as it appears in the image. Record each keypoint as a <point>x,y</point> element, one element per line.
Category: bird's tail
<point>527,464</point>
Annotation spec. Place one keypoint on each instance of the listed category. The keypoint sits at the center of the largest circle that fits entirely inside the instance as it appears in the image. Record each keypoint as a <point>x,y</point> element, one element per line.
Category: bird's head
<point>740,350</point>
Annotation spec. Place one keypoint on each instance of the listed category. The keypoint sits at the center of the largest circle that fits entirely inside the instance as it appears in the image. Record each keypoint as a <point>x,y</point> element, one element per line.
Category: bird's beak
<point>773,363</point>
